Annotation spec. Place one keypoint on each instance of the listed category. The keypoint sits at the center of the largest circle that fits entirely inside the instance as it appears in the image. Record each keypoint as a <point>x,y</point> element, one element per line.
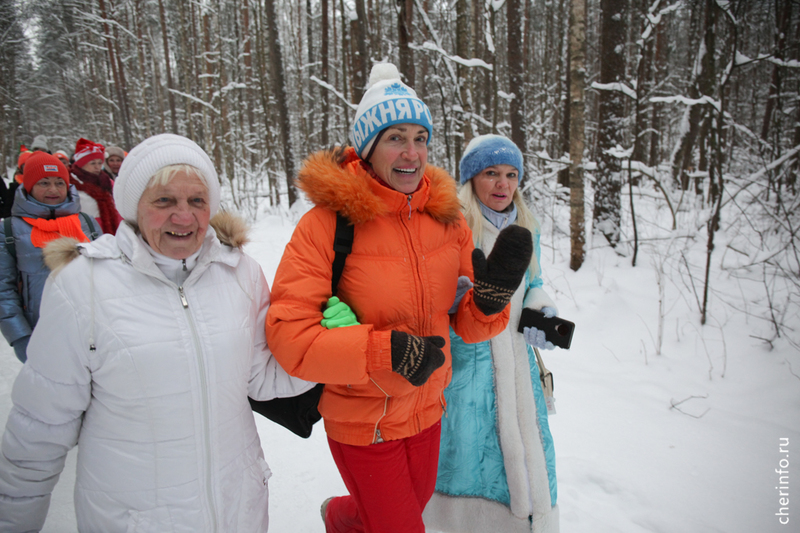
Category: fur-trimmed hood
<point>348,188</point>
<point>230,229</point>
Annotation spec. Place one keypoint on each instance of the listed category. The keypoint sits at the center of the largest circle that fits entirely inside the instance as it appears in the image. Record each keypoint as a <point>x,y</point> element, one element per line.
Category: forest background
<point>692,101</point>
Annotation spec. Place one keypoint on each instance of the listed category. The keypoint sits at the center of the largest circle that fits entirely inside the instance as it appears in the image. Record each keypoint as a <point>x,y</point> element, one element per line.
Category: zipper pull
<point>409,206</point>
<point>184,264</point>
<point>184,301</point>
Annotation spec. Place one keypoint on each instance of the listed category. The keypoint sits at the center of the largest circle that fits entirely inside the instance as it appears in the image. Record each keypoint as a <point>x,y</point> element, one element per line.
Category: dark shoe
<point>324,507</point>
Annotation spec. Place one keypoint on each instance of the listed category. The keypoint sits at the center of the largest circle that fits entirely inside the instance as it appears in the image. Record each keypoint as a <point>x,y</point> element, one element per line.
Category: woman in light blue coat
<point>46,200</point>
<point>497,461</point>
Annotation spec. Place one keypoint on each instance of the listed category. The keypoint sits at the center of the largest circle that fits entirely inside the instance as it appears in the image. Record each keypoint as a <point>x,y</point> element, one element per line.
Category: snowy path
<point>627,462</point>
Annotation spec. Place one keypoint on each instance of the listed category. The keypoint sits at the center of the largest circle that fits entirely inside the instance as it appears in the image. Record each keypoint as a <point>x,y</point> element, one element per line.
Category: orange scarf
<point>45,231</point>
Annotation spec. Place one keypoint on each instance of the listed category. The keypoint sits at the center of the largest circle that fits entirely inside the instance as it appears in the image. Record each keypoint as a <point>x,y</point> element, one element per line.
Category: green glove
<point>338,315</point>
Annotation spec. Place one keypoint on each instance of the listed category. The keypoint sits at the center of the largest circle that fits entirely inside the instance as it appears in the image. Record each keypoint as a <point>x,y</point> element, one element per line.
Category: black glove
<point>415,358</point>
<point>497,277</point>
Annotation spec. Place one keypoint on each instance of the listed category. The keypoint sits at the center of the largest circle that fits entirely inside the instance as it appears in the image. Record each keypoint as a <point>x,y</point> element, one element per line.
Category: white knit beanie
<point>150,156</point>
<point>387,101</point>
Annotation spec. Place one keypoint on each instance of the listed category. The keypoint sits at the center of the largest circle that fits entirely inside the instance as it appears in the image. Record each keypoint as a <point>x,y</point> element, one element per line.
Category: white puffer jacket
<point>167,440</point>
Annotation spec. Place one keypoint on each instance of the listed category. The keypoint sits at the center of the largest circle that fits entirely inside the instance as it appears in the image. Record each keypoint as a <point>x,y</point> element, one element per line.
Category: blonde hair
<point>165,174</point>
<point>471,208</point>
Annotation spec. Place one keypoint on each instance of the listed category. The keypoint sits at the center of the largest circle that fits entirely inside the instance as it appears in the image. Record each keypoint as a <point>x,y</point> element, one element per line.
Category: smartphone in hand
<point>556,330</point>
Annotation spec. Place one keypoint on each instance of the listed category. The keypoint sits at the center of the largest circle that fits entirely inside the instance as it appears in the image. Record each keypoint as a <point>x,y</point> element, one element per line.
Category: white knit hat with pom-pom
<point>386,102</point>
<point>150,156</point>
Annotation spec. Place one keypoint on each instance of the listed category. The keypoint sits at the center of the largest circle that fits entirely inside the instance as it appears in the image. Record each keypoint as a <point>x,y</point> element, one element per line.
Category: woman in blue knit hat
<point>497,461</point>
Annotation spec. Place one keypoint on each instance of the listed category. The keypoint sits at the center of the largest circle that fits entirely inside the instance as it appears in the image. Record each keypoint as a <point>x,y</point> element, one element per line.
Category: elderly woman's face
<point>400,157</point>
<point>50,191</point>
<point>173,218</point>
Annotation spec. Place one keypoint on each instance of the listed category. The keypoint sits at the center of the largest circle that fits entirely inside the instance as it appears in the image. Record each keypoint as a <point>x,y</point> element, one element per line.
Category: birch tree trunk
<point>577,53</point>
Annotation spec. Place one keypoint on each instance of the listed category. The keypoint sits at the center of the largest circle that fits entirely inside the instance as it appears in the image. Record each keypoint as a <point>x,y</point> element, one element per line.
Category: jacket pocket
<point>254,504</point>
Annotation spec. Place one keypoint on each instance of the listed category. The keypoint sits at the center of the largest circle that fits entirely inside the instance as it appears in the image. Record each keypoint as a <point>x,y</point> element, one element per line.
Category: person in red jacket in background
<point>385,374</point>
<point>94,184</point>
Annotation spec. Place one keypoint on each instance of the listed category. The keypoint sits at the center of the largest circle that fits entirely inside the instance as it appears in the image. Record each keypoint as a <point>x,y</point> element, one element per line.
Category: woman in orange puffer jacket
<point>385,377</point>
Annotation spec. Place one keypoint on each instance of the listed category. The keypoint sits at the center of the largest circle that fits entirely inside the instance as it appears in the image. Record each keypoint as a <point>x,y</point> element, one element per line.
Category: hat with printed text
<point>42,165</point>
<point>386,102</point>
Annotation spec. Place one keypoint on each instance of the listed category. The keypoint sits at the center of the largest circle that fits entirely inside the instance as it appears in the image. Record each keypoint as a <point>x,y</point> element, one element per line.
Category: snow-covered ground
<point>627,460</point>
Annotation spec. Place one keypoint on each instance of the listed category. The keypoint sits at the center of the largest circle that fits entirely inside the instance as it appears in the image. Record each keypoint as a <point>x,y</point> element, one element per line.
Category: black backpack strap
<point>89,222</point>
<point>11,246</point>
<point>299,413</point>
<point>342,246</point>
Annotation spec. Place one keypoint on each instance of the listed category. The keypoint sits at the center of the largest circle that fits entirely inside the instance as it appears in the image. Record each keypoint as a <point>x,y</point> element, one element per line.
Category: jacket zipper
<point>415,265</point>
<point>206,416</point>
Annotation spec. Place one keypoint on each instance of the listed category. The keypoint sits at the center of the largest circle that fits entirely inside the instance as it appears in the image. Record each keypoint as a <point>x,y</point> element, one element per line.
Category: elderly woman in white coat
<point>148,345</point>
<point>497,460</point>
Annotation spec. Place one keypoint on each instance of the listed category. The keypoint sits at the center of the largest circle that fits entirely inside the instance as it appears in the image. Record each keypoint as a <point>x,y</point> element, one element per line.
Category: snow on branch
<point>775,164</point>
<point>435,34</point>
<point>621,87</point>
<point>110,102</point>
<point>195,99</point>
<point>754,177</point>
<point>111,22</point>
<point>654,19</point>
<point>506,96</point>
<point>687,101</point>
<point>742,59</point>
<point>233,85</point>
<point>332,89</point>
<point>427,45</point>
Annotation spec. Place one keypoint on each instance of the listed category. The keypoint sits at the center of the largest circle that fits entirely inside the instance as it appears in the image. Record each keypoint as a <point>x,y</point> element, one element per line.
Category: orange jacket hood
<point>346,188</point>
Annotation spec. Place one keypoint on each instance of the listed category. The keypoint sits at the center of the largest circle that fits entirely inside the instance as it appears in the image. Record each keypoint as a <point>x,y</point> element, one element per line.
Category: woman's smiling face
<point>400,156</point>
<point>173,218</point>
<point>495,185</point>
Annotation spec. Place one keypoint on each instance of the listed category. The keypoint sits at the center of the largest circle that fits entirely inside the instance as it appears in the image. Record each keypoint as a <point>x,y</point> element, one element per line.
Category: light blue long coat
<point>497,460</point>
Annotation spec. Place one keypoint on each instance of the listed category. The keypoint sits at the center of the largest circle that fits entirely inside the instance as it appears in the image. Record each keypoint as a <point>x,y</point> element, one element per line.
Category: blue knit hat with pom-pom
<point>488,150</point>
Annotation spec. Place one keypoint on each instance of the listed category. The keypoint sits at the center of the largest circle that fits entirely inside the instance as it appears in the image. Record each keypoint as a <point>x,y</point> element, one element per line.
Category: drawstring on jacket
<point>92,347</point>
<point>376,431</point>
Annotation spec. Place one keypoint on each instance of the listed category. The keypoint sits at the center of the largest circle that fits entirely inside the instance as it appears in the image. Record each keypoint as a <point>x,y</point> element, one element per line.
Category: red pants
<point>390,483</point>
